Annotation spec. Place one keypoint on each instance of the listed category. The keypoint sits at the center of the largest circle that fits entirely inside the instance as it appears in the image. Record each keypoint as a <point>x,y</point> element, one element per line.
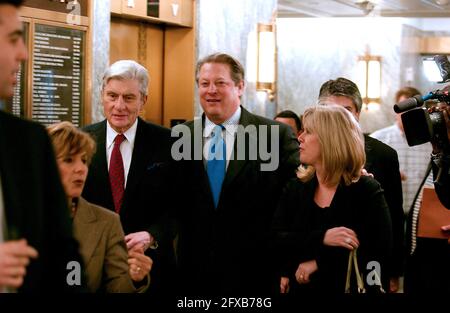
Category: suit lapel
<point>368,148</point>
<point>198,166</point>
<point>99,162</point>
<point>87,229</point>
<point>235,165</point>
<point>10,195</point>
<point>141,157</point>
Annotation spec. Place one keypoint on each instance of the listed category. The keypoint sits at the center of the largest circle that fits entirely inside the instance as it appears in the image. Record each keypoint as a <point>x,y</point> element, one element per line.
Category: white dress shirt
<point>126,148</point>
<point>230,130</point>
<point>413,161</point>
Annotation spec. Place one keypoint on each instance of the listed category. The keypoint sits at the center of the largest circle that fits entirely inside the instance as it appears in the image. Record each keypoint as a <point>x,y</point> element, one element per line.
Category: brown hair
<point>236,68</point>
<point>407,92</point>
<point>341,87</point>
<point>69,140</point>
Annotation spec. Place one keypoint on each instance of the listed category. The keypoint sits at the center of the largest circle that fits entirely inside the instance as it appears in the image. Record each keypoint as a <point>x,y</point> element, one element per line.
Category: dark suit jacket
<point>35,204</point>
<point>382,162</point>
<point>103,248</point>
<point>225,250</point>
<point>146,202</point>
<point>300,225</point>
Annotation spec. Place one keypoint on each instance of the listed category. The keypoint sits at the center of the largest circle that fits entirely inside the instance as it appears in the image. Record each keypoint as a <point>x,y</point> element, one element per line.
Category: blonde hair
<point>341,144</point>
<point>68,140</point>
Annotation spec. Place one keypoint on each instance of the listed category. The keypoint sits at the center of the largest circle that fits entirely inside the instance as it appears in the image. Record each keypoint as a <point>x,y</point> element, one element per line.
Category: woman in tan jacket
<point>109,267</point>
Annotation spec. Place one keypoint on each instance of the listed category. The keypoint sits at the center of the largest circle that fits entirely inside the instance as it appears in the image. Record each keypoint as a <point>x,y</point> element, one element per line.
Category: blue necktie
<point>217,161</point>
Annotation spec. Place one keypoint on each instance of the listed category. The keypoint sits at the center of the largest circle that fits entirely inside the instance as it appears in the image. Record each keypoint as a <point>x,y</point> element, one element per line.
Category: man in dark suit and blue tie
<point>36,242</point>
<point>129,172</point>
<point>231,188</point>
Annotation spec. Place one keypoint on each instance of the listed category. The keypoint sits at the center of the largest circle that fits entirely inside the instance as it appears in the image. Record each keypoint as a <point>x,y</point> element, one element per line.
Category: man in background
<point>441,165</point>
<point>289,117</point>
<point>36,242</point>
<point>413,160</point>
<point>381,161</point>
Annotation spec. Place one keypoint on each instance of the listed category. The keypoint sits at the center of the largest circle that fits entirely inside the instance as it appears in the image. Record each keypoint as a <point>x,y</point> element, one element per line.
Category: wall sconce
<point>369,79</point>
<point>266,58</point>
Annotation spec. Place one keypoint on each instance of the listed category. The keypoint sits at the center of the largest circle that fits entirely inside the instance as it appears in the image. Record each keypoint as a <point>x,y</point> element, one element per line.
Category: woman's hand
<point>284,285</point>
<point>341,237</point>
<point>304,271</point>
<point>140,264</point>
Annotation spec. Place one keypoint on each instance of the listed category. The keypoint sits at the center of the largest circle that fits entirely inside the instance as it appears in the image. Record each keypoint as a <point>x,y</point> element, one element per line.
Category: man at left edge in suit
<point>36,241</point>
<point>144,159</point>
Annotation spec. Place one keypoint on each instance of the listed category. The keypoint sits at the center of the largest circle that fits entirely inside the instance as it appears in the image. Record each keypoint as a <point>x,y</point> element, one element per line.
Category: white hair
<point>127,69</point>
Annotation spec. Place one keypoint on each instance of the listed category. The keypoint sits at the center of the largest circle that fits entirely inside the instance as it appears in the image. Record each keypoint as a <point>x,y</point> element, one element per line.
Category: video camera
<point>419,125</point>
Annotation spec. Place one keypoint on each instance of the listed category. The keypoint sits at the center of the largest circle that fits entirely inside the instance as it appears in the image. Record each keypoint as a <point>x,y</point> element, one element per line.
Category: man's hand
<point>139,240</point>
<point>364,172</point>
<point>14,257</point>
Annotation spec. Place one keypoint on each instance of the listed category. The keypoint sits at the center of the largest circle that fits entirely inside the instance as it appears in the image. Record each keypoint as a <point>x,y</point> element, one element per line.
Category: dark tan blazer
<point>103,248</point>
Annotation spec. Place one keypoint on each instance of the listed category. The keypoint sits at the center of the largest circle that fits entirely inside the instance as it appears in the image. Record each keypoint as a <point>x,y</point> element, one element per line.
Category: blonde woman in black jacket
<point>330,209</point>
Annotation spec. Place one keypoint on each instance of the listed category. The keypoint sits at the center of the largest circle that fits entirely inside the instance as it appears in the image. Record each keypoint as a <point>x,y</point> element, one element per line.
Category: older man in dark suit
<point>129,172</point>
<point>35,229</point>
<point>381,161</point>
<point>231,189</point>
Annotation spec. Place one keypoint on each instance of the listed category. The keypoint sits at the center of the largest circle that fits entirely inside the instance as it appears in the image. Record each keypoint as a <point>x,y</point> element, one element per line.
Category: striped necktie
<point>116,173</point>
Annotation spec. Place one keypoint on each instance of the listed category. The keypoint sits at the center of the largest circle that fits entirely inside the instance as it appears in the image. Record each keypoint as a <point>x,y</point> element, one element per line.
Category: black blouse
<point>300,224</point>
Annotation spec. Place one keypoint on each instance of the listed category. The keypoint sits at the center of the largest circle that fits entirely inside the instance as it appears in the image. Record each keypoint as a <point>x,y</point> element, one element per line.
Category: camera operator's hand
<point>446,229</point>
<point>446,112</point>
<point>445,109</point>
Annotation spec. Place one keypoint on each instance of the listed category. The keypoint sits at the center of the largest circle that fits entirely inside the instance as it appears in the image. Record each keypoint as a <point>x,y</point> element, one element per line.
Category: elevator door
<point>143,43</point>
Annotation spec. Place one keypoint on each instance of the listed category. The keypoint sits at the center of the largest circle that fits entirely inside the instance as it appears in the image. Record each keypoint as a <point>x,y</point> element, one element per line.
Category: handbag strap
<point>352,260</point>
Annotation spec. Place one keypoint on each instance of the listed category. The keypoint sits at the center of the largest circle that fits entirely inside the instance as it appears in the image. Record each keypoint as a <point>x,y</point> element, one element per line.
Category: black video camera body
<point>419,125</point>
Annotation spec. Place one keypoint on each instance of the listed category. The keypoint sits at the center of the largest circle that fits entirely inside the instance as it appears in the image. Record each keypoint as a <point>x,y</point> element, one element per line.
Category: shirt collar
<point>130,134</point>
<point>230,124</point>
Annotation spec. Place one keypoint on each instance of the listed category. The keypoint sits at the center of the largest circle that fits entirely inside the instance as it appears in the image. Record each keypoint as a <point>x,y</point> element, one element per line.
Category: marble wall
<point>100,53</point>
<point>230,27</point>
<point>313,50</point>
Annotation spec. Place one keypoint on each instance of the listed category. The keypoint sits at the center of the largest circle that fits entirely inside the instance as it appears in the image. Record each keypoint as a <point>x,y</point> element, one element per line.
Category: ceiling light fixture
<point>365,6</point>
